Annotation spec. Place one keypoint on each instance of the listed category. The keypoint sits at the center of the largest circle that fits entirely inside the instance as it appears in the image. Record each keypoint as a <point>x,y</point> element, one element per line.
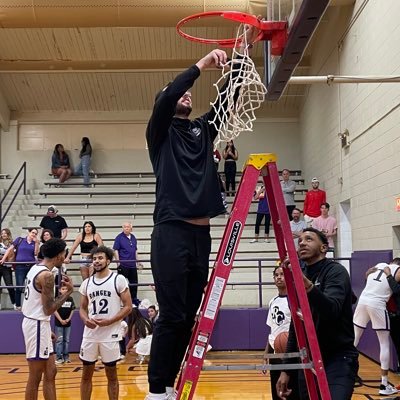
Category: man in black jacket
<point>187,196</point>
<point>329,294</point>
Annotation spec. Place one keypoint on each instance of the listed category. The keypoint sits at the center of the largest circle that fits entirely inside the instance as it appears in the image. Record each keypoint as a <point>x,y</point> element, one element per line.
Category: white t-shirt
<point>104,302</point>
<point>377,290</point>
<point>32,306</point>
<point>279,317</point>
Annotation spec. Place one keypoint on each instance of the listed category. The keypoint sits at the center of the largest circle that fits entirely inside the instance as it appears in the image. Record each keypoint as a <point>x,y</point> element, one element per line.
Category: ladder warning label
<point>230,247</point>
<point>187,387</point>
<point>215,297</point>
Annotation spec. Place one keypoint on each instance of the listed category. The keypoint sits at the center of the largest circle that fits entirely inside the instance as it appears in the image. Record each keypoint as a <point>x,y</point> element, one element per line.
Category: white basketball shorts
<point>379,318</point>
<point>37,336</point>
<point>109,351</point>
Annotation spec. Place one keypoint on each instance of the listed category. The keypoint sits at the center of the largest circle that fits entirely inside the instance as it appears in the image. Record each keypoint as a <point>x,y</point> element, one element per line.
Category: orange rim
<point>237,16</point>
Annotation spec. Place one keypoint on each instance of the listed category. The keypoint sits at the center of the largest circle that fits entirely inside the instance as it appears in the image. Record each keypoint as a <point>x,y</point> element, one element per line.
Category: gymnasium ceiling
<point>111,55</point>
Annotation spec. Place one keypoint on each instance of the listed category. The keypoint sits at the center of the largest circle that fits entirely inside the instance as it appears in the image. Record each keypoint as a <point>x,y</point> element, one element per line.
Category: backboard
<point>303,17</point>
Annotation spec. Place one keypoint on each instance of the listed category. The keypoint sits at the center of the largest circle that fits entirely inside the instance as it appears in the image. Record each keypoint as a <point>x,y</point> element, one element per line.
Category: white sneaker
<point>171,393</point>
<point>156,396</point>
<point>267,241</point>
<point>253,240</point>
<point>388,389</point>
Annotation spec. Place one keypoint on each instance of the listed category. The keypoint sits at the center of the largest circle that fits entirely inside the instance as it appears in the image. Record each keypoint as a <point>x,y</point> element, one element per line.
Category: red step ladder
<point>256,165</point>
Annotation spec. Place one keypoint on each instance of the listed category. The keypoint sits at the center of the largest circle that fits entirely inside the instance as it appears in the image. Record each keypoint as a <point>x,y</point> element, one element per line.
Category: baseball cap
<point>52,209</point>
<point>313,180</point>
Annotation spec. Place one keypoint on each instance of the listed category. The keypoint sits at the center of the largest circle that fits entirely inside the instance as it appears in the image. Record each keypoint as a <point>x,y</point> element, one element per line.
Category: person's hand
<point>64,322</point>
<point>90,323</point>
<point>387,271</point>
<point>53,337</point>
<point>282,386</point>
<point>101,322</point>
<point>139,266</point>
<point>216,58</point>
<point>66,281</point>
<point>67,260</point>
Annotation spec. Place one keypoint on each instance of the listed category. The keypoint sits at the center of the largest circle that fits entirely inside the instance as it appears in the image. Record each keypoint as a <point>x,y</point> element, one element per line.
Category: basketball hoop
<point>236,102</point>
<point>274,31</point>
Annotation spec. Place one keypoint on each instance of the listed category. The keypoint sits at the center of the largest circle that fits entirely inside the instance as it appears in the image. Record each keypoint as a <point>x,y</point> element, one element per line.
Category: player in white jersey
<point>39,304</point>
<point>371,306</point>
<point>105,302</point>
<point>278,320</point>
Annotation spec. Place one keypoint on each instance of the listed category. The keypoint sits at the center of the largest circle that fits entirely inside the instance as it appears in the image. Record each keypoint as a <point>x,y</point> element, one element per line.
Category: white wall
<point>119,142</point>
<point>367,173</point>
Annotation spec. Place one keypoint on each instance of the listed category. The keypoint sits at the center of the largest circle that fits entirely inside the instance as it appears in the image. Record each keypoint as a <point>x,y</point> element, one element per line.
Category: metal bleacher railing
<point>260,283</point>
<point>3,214</point>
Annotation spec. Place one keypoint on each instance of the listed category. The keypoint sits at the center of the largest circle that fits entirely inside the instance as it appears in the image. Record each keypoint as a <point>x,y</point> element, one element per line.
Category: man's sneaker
<point>253,240</point>
<point>388,389</point>
<point>152,396</point>
<point>67,361</point>
<point>59,361</point>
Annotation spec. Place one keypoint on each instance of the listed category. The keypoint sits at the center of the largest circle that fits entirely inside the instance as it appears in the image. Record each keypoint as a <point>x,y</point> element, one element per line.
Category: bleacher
<point>114,198</point>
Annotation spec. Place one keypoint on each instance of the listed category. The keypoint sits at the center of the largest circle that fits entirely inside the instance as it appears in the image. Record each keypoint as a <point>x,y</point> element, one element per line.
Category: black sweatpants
<point>395,333</point>
<point>341,373</point>
<point>275,374</point>
<point>230,175</point>
<point>6,273</point>
<point>259,219</point>
<point>130,273</point>
<point>179,261</point>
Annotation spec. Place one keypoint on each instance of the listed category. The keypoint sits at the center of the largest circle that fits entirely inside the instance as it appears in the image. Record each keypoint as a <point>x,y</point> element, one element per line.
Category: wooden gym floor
<point>250,385</point>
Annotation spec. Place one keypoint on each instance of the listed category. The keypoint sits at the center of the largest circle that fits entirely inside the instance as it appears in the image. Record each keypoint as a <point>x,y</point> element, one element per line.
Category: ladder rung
<point>258,367</point>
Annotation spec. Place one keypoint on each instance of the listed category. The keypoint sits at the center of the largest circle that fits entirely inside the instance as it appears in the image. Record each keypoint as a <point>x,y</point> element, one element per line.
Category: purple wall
<point>236,329</point>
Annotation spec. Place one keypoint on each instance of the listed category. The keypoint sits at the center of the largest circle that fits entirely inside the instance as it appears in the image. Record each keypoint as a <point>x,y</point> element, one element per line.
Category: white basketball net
<point>233,117</point>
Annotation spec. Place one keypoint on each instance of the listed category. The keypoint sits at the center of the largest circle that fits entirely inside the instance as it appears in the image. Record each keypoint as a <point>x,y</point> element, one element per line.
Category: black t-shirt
<point>65,311</point>
<point>181,152</point>
<point>56,224</point>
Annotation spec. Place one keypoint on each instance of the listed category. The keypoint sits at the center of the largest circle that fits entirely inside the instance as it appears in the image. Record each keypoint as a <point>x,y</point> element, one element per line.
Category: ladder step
<point>257,367</point>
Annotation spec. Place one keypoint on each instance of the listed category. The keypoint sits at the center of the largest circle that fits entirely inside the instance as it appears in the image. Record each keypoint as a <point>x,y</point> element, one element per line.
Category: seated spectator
<point>87,240</point>
<point>152,312</point>
<point>60,165</point>
<point>312,202</point>
<point>326,224</point>
<point>140,333</point>
<point>5,269</point>
<point>297,225</point>
<point>55,222</point>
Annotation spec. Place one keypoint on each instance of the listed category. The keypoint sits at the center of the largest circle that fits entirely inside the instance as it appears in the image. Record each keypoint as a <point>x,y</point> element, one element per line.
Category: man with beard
<point>105,302</point>
<point>187,196</point>
<point>328,288</point>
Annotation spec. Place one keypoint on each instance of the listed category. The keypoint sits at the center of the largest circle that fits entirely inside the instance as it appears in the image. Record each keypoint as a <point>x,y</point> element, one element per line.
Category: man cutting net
<point>187,196</point>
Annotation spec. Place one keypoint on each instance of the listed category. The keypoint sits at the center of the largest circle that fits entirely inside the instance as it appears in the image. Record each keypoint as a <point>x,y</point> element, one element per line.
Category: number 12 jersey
<point>104,302</point>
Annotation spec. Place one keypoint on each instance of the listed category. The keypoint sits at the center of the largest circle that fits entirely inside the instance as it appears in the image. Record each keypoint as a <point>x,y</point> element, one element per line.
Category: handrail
<point>22,184</point>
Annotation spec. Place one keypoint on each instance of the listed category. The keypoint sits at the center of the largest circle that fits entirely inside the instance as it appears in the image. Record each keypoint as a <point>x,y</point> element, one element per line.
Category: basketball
<point>280,342</point>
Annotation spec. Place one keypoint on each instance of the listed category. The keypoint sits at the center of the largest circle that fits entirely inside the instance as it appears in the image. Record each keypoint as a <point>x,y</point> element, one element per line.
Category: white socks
<point>384,380</point>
